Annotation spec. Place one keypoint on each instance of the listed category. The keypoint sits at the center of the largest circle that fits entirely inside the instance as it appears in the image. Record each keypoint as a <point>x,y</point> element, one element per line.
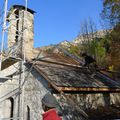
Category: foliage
<point>100,54</point>
<point>115,34</point>
<point>75,50</point>
<point>98,50</point>
<point>111,11</point>
<point>88,30</point>
<point>91,44</point>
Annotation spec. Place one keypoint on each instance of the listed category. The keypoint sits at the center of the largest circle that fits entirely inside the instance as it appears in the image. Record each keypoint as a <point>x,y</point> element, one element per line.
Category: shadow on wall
<point>78,106</point>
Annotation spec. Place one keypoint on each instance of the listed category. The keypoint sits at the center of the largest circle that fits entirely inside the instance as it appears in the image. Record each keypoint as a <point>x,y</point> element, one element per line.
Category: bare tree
<point>88,33</point>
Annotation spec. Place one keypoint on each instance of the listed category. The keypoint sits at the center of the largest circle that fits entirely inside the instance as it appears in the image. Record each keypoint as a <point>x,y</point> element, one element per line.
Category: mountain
<point>81,38</point>
<point>77,41</point>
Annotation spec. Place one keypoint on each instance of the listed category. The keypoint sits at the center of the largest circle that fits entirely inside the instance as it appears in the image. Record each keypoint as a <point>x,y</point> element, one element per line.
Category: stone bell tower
<point>21,28</point>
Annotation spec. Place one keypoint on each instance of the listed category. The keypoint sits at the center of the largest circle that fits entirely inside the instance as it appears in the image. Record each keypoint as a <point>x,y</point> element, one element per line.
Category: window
<point>12,107</point>
<point>28,113</point>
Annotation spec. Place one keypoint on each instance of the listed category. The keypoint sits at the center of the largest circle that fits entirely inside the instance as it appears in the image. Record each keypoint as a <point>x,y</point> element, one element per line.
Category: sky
<point>59,20</point>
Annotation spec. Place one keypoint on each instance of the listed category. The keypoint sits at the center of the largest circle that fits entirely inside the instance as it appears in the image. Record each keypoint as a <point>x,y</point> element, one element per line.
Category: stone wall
<point>33,90</point>
<point>74,105</point>
<point>28,33</point>
<point>12,30</point>
<point>9,89</point>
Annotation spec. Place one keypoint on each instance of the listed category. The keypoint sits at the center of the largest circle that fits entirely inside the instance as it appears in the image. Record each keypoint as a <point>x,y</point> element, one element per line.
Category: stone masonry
<point>21,30</point>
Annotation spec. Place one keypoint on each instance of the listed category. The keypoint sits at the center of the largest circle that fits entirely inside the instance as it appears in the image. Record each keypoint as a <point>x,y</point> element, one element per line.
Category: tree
<point>98,49</point>
<point>91,44</point>
<point>111,11</point>
<point>75,50</point>
<point>87,32</point>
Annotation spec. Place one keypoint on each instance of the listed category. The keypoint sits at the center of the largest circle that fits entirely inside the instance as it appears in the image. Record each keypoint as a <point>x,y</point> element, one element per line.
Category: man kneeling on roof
<point>49,105</point>
<point>88,60</point>
<point>90,63</point>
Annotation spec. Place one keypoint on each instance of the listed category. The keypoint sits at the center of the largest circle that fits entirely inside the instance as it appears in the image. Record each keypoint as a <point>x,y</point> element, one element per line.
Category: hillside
<point>77,41</point>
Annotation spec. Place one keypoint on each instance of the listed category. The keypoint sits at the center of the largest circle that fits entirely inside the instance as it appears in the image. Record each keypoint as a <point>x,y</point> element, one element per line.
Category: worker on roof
<point>90,63</point>
<point>49,105</point>
<point>88,59</point>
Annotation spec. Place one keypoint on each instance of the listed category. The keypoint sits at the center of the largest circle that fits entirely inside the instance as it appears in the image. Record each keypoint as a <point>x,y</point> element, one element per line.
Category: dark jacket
<point>88,60</point>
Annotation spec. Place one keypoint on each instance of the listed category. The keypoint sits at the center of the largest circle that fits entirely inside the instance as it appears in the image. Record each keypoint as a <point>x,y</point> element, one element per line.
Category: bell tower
<point>21,28</point>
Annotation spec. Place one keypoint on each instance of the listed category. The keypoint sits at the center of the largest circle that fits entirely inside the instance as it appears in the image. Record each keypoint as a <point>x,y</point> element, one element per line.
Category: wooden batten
<point>73,89</point>
<point>60,63</point>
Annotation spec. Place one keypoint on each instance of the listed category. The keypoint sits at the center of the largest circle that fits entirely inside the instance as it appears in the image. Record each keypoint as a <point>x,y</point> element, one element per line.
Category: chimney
<point>21,28</point>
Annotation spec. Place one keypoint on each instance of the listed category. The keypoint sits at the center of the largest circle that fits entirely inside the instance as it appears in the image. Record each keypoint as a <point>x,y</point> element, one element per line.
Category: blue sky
<point>59,20</point>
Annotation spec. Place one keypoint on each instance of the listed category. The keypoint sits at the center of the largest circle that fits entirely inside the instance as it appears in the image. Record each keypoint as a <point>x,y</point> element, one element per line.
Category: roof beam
<point>60,63</point>
<point>73,89</point>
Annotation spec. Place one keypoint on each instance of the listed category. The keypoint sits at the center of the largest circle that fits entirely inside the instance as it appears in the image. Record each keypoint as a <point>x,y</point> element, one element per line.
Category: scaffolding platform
<point>9,61</point>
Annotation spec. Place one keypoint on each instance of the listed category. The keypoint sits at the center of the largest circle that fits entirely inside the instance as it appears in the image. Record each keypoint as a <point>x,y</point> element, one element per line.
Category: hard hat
<point>49,101</point>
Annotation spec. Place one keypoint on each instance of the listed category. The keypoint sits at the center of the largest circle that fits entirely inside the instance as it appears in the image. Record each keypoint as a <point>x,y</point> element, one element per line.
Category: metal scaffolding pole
<point>23,62</point>
<point>3,31</point>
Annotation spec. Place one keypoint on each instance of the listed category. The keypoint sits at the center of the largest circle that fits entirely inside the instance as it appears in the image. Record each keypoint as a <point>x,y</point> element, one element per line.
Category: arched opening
<point>17,25</point>
<point>28,113</point>
<point>12,107</point>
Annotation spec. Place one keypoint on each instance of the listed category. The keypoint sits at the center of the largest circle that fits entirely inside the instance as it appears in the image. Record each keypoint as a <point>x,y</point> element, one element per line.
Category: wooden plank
<point>60,63</point>
<point>90,89</point>
<point>67,59</point>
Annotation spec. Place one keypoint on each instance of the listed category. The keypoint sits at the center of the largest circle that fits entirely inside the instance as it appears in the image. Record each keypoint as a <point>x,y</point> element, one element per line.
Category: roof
<point>58,58</point>
<point>18,7</point>
<point>65,74</point>
<point>23,8</point>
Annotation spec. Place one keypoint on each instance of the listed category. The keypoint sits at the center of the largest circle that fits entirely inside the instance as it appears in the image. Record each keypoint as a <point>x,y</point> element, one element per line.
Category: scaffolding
<point>9,57</point>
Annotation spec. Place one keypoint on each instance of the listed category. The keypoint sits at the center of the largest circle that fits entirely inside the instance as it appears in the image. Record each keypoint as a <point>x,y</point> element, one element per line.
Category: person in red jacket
<point>49,105</point>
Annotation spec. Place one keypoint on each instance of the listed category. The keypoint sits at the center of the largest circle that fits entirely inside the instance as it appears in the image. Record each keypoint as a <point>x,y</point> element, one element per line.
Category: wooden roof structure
<point>8,62</point>
<point>66,74</point>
